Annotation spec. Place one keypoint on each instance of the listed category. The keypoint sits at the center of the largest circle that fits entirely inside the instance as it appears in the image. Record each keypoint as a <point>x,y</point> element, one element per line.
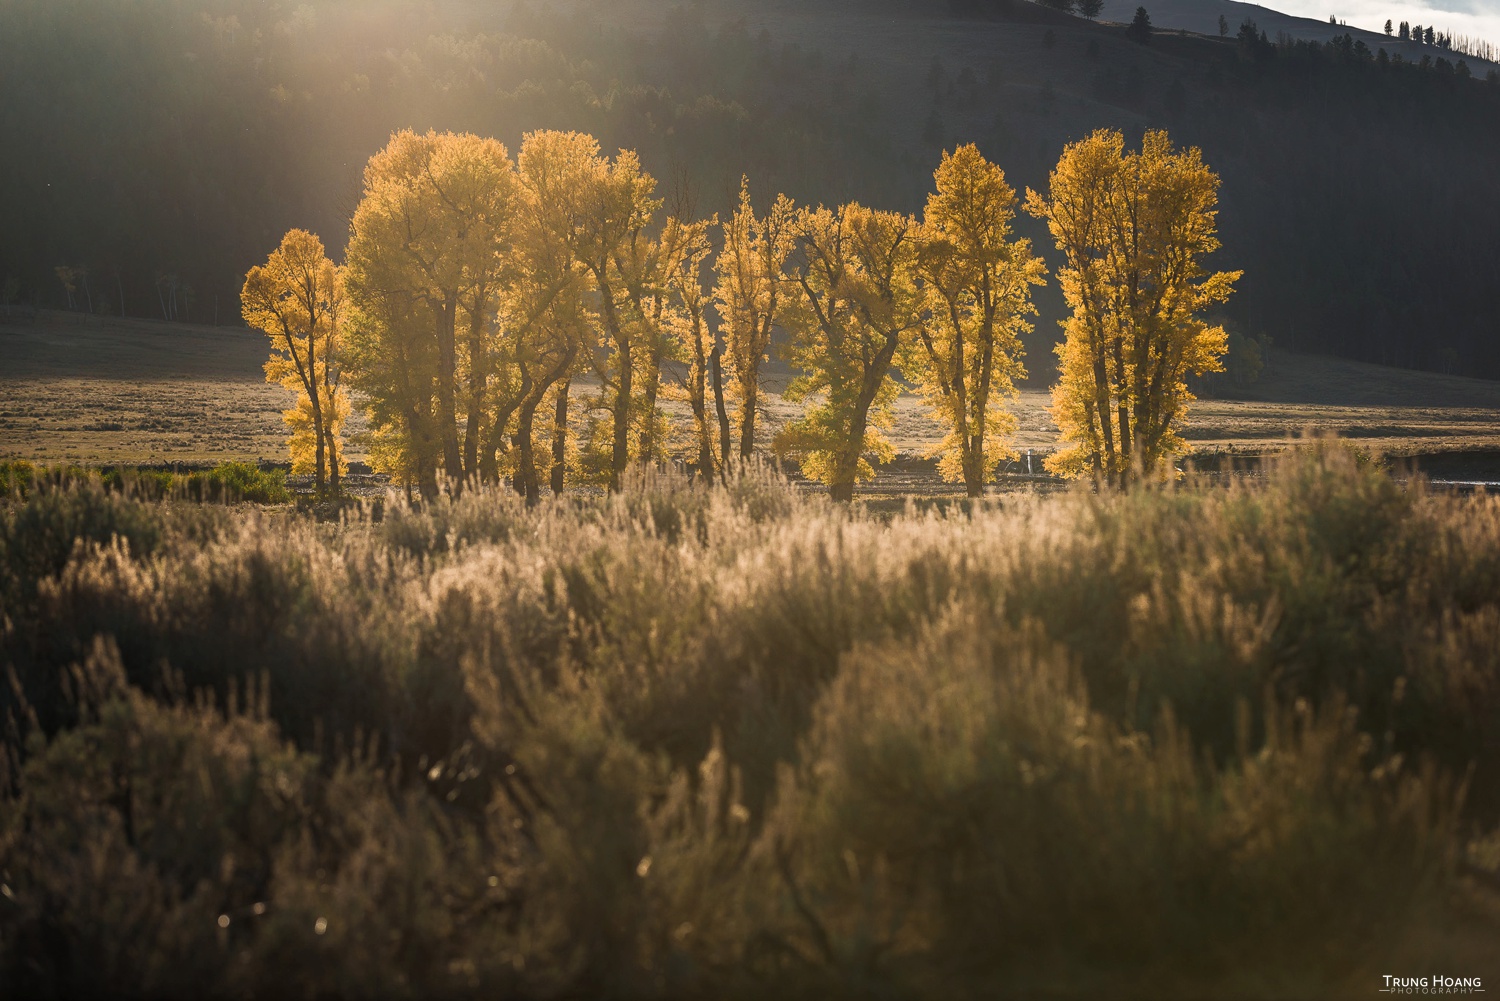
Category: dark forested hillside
<point>155,149</point>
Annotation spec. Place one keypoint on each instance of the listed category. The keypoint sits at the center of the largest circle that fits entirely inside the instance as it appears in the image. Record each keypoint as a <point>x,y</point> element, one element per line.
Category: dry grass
<point>106,391</point>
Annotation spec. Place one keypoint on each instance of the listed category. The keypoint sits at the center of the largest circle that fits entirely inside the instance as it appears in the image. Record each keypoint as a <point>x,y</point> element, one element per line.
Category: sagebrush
<point>690,741</point>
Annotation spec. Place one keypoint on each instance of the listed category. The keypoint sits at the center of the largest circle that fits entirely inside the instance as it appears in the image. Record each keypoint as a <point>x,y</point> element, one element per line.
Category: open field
<point>109,391</point>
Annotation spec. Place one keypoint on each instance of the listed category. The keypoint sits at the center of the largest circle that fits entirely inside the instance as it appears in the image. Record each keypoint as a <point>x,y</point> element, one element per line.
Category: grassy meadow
<point>104,391</point>
<point>1204,741</point>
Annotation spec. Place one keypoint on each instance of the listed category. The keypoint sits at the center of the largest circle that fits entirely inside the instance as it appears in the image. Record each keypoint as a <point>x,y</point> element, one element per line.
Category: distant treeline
<point>161,146</point>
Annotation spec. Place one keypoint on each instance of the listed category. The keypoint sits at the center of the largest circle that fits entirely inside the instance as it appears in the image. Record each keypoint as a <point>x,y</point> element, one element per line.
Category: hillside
<point>1202,17</point>
<point>1357,197</point>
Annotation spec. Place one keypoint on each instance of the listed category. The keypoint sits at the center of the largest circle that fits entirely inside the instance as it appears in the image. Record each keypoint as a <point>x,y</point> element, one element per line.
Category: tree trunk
<point>620,453</point>
<point>422,453</point>
<point>698,398</point>
<point>842,489</point>
<point>314,398</point>
<point>653,383</point>
<point>751,391</point>
<point>529,481</point>
<point>1122,405</point>
<point>521,439</point>
<point>716,368</point>
<point>447,373</point>
<point>526,478</point>
<point>333,460</point>
<point>560,437</point>
<point>489,462</point>
<point>982,408</point>
<point>1101,405</point>
<point>478,384</point>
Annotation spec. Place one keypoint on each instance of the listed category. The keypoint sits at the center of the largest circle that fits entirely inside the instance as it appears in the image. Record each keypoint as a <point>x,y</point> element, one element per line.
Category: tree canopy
<point>1133,227</point>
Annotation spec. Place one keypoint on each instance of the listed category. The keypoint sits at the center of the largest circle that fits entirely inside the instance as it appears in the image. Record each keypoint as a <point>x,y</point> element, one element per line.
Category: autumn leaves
<point>1133,227</point>
<point>297,299</point>
<point>478,290</point>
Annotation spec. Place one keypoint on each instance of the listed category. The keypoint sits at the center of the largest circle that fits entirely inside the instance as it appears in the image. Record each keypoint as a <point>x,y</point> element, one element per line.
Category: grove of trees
<point>478,288</point>
<point>1133,227</point>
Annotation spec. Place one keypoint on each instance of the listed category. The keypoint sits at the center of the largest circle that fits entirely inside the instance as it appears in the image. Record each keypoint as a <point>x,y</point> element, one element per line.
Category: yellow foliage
<point>1133,227</point>
<point>860,298</point>
<point>297,299</point>
<point>977,287</point>
<point>599,209</point>
<point>750,296</point>
<point>687,322</point>
<point>427,261</point>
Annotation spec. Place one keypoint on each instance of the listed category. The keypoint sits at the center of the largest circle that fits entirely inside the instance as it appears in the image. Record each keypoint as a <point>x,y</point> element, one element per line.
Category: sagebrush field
<point>736,742</point>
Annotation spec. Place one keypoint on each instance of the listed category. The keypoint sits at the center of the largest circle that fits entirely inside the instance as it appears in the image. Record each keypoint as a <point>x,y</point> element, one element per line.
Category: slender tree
<point>1139,29</point>
<point>604,208</point>
<point>856,270</point>
<point>751,296</point>
<point>699,341</point>
<point>1133,228</point>
<point>977,280</point>
<point>297,299</point>
<point>545,313</point>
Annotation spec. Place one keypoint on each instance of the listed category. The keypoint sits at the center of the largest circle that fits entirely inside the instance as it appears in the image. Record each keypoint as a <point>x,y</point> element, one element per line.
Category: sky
<point>1480,18</point>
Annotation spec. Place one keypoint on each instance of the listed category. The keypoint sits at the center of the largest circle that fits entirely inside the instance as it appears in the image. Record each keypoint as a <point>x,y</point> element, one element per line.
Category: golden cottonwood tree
<point>605,208</point>
<point>1133,227</point>
<point>648,266</point>
<point>548,323</point>
<point>859,299</point>
<point>297,299</point>
<point>427,255</point>
<point>977,283</point>
<point>688,321</point>
<point>750,295</point>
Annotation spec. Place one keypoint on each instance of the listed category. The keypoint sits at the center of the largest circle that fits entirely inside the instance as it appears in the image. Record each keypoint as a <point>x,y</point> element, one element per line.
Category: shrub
<point>237,481</point>
<point>687,740</point>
